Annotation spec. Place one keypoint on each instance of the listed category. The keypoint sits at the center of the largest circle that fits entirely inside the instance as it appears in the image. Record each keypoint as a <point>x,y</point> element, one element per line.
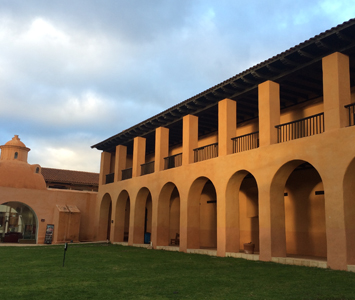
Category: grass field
<point>104,271</point>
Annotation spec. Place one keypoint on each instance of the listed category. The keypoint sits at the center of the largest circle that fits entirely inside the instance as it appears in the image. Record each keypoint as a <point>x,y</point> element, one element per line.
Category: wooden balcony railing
<point>126,173</point>
<point>206,152</point>
<point>110,178</point>
<point>147,168</point>
<point>173,161</point>
<point>300,128</point>
<point>246,142</point>
<point>351,112</point>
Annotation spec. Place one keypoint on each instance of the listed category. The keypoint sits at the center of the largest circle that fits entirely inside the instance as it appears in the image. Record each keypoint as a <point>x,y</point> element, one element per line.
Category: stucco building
<point>266,157</point>
<point>27,207</point>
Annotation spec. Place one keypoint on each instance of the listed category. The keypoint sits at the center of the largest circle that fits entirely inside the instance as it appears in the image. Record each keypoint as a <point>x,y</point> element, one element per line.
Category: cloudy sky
<point>73,73</point>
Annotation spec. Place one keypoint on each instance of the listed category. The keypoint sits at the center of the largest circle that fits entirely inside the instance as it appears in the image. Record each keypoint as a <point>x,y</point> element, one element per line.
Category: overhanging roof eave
<point>242,83</point>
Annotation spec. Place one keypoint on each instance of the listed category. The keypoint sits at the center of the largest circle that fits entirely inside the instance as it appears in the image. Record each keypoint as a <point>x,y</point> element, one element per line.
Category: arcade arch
<point>18,223</point>
<point>168,215</point>
<point>202,215</point>
<point>105,218</point>
<point>298,211</point>
<point>242,212</point>
<point>143,217</point>
<point>122,217</point>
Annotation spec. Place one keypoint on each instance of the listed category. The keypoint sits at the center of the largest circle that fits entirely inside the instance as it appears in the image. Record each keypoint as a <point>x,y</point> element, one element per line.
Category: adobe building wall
<point>290,219</point>
<point>264,164</point>
<point>43,203</point>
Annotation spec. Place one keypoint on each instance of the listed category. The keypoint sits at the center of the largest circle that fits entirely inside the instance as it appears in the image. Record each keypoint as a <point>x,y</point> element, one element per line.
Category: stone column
<point>335,221</point>
<point>269,112</point>
<point>336,90</point>
<point>227,125</point>
<point>138,155</point>
<point>161,147</point>
<point>189,138</point>
<point>120,162</point>
<point>104,166</point>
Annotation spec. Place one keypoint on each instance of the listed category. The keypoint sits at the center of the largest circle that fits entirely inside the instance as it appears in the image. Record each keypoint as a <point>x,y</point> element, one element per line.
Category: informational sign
<point>49,234</point>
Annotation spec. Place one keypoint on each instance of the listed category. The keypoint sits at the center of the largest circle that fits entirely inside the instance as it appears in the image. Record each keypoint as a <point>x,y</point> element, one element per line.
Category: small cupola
<point>14,150</point>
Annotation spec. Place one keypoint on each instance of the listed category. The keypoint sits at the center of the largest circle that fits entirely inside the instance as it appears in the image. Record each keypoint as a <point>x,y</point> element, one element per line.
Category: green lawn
<point>102,271</point>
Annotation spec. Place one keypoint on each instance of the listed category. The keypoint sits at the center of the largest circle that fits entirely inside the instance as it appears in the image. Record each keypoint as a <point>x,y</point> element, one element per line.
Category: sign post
<point>65,250</point>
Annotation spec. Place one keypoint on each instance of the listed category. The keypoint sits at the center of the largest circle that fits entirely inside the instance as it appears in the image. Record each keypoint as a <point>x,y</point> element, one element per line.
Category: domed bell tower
<point>14,150</point>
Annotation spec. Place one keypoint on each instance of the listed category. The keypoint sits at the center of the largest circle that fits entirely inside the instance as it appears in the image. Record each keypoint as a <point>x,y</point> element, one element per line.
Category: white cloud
<point>71,78</point>
<point>73,156</point>
<point>43,31</point>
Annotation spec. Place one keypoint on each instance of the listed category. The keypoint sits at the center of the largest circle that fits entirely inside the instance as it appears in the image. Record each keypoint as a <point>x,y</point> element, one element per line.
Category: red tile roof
<point>68,176</point>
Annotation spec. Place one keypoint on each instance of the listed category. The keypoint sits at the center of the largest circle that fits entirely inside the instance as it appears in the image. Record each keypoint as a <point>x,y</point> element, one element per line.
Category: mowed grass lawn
<point>104,271</point>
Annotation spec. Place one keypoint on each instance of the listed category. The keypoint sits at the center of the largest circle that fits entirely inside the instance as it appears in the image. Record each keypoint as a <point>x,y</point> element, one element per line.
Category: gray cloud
<point>73,73</point>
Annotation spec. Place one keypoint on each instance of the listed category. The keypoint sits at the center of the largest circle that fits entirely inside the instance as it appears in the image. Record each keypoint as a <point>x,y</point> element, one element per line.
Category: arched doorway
<point>122,217</point>
<point>242,212</point>
<point>18,223</point>
<point>105,218</point>
<point>168,229</point>
<point>143,217</point>
<point>202,215</point>
<point>249,212</point>
<point>297,197</point>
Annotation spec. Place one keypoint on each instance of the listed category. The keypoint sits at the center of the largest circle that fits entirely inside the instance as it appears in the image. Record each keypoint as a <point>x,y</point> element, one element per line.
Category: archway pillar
<point>271,220</point>
<point>154,233</point>
<point>221,223</point>
<point>183,219</point>
<point>132,221</point>
<point>336,90</point>
<point>335,222</point>
<point>228,216</point>
<point>135,226</point>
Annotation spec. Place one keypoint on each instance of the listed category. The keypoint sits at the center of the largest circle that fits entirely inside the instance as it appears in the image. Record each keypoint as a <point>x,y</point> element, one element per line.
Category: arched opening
<point>168,230</point>
<point>18,223</point>
<point>105,218</point>
<point>122,217</point>
<point>297,197</point>
<point>202,215</point>
<point>143,217</point>
<point>349,211</point>
<point>242,212</point>
<point>249,212</point>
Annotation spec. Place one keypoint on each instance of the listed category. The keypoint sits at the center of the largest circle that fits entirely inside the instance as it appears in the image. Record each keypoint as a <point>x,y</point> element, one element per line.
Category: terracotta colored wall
<point>281,225</point>
<point>44,202</point>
